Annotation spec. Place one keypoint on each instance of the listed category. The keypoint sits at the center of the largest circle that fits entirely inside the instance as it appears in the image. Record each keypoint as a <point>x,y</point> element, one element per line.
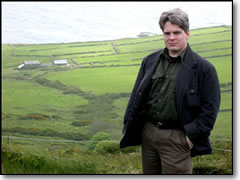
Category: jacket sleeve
<point>133,94</point>
<point>202,125</point>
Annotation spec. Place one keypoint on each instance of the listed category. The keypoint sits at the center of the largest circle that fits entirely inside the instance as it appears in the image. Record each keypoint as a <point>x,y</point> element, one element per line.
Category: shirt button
<point>158,113</point>
<point>139,93</point>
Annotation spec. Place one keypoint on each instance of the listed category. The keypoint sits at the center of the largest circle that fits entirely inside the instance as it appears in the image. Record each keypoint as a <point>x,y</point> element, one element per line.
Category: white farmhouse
<point>29,64</point>
<point>60,62</point>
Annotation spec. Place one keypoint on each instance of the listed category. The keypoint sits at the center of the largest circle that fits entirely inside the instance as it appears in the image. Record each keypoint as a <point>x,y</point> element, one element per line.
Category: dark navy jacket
<point>197,100</point>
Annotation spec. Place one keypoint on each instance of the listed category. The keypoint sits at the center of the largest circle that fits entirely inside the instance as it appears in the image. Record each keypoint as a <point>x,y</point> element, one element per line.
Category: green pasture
<point>35,99</point>
<point>223,66</point>
<point>69,50</point>
<point>97,80</point>
<point>88,97</point>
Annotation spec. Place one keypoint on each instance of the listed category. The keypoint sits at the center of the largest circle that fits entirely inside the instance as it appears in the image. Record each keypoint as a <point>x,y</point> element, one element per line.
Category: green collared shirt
<point>162,95</point>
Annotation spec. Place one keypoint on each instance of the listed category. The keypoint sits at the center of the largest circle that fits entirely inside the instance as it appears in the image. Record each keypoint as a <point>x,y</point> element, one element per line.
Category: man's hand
<point>190,144</point>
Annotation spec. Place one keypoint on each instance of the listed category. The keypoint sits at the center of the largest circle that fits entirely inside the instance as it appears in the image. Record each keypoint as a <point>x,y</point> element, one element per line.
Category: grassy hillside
<point>77,102</point>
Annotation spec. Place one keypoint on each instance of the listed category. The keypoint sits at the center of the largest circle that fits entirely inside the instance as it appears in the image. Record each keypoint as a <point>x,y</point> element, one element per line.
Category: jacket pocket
<point>192,98</point>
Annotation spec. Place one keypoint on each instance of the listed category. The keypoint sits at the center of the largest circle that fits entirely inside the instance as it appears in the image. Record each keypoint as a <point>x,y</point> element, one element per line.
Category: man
<point>174,103</point>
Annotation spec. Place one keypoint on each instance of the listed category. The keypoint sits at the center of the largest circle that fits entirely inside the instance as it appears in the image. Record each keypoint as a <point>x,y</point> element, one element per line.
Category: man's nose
<point>171,36</point>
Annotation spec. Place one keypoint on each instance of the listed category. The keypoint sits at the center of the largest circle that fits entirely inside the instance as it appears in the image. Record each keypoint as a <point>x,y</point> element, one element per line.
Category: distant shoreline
<point>140,35</point>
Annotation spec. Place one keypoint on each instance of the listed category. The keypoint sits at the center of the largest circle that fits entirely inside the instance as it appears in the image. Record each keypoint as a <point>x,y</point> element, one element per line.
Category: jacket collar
<point>188,60</point>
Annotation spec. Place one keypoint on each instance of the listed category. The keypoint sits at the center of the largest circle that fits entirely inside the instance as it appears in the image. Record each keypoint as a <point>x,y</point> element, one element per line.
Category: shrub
<point>113,147</point>
<point>57,85</point>
<point>100,136</point>
<point>105,147</point>
<point>42,81</point>
<point>130,149</point>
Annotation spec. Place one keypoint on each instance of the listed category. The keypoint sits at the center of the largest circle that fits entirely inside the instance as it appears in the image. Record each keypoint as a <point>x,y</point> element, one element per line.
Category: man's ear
<point>188,34</point>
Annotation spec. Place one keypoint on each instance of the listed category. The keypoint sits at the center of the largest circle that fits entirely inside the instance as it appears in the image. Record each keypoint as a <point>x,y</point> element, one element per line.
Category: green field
<point>51,114</point>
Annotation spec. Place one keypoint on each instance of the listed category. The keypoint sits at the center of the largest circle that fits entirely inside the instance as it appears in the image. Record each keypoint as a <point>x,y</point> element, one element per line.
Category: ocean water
<point>63,22</point>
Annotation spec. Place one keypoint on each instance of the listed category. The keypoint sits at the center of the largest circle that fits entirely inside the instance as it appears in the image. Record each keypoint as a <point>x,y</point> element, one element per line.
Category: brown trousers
<point>165,151</point>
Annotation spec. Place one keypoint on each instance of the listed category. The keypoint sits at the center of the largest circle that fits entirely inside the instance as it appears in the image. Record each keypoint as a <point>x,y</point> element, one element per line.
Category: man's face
<point>175,38</point>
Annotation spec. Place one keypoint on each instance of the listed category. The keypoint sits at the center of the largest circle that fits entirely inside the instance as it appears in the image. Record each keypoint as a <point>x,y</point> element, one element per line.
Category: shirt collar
<point>180,57</point>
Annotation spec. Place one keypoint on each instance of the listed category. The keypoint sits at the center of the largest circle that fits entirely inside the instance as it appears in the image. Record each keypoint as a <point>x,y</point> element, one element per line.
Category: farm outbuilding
<point>32,63</point>
<point>21,66</point>
<point>60,62</point>
<point>29,64</point>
